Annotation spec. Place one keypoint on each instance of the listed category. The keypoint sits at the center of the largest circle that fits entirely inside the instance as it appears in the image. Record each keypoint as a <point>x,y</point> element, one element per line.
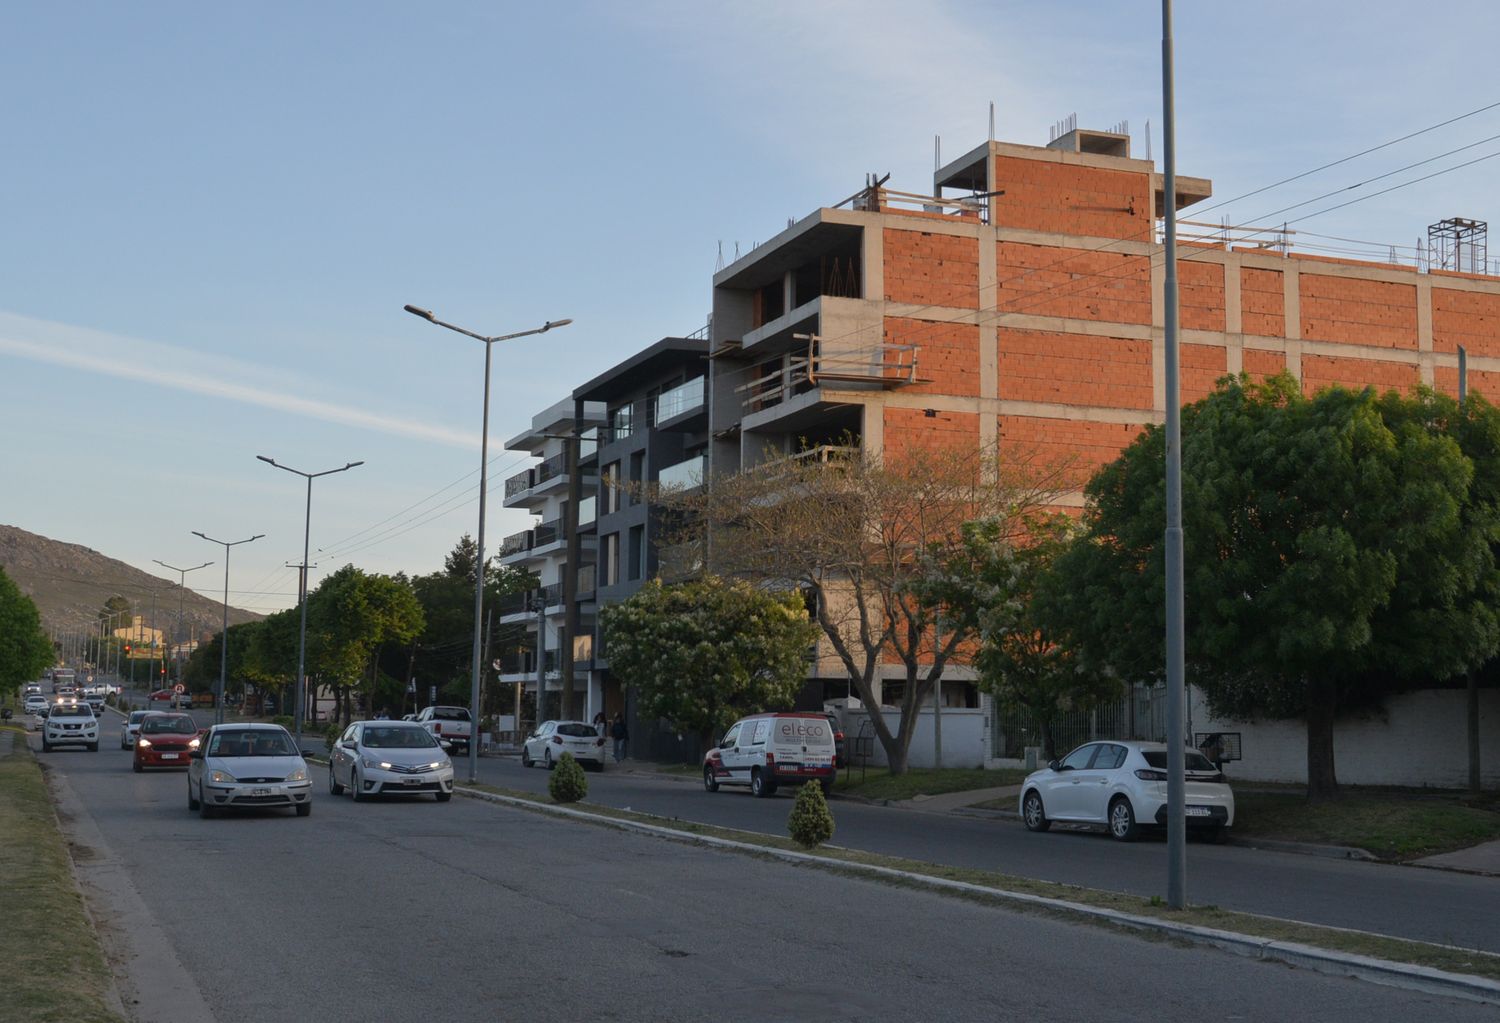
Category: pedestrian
<point>600,721</point>
<point>621,735</point>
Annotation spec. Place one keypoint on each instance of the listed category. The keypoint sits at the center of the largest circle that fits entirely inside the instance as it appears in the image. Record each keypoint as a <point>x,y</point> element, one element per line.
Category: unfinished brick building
<point>1029,311</point>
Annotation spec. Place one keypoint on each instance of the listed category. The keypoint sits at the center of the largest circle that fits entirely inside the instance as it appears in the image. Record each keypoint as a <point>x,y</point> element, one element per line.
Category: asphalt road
<point>413,910</point>
<point>1411,902</point>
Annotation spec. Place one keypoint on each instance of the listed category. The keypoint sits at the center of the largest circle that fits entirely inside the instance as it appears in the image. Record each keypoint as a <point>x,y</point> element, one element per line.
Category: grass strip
<point>54,967</point>
<point>1391,825</point>
<point>1396,950</point>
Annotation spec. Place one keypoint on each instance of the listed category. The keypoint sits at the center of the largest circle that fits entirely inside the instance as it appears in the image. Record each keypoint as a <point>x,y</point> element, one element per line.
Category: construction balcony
<point>528,488</point>
<point>545,539</point>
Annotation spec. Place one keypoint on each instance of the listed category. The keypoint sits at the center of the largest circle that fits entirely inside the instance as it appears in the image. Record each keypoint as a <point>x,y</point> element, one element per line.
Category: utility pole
<point>224,636</point>
<point>181,606</point>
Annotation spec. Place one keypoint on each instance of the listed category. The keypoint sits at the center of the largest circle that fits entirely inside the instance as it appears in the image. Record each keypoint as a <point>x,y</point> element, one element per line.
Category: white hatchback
<point>131,728</point>
<point>1123,786</point>
<point>552,739</point>
<point>248,766</point>
<point>35,704</point>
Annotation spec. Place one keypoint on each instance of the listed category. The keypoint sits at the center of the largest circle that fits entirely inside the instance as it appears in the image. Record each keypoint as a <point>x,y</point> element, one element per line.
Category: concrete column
<point>1158,337</point>
<point>1234,328</point>
<point>1425,357</point>
<point>1291,300</point>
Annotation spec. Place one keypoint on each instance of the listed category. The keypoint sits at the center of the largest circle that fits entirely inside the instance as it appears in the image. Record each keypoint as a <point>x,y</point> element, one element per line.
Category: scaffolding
<point>1459,244</point>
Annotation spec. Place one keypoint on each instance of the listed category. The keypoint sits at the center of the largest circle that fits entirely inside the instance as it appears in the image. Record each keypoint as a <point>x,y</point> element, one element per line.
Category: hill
<point>70,583</point>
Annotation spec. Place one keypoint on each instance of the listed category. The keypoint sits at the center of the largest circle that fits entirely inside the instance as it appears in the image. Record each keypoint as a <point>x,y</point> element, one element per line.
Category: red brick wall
<point>1259,363</point>
<point>1082,447</point>
<point>947,354</point>
<point>1043,280</point>
<point>1201,367</point>
<point>1200,295</point>
<point>1376,313</point>
<point>1074,369</point>
<point>931,269</point>
<point>1262,302</point>
<point>1068,199</point>
<point>1320,371</point>
<point>910,432</point>
<point>1465,318</point>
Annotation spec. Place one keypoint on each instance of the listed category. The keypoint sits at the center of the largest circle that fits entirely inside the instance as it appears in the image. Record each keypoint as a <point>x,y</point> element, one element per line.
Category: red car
<point>165,740</point>
<point>162,695</point>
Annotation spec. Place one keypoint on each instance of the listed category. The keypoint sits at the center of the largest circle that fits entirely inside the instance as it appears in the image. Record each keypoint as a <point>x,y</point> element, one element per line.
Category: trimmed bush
<point>284,720</point>
<point>567,784</point>
<point>811,822</point>
<point>331,733</point>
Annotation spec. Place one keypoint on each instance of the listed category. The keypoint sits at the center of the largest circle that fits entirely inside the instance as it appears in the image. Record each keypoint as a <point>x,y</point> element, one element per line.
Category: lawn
<point>880,785</point>
<point>1393,824</point>
<point>47,934</point>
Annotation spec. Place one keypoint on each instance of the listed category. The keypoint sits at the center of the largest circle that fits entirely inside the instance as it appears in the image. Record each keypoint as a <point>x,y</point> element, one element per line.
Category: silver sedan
<point>382,757</point>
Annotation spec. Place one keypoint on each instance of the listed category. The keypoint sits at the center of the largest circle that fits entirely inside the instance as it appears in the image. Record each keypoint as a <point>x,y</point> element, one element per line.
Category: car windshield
<point>137,715</point>
<point>577,730</point>
<point>259,742</point>
<point>68,710</point>
<point>1193,760</point>
<point>395,737</point>
<point>175,724</point>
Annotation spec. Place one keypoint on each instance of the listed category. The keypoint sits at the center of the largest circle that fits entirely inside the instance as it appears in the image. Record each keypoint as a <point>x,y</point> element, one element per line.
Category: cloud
<point>126,358</point>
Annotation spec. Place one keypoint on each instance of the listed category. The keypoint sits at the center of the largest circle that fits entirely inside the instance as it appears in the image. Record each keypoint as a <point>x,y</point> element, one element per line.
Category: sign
<point>411,687</point>
<point>432,694</point>
<point>495,665</point>
<point>179,688</point>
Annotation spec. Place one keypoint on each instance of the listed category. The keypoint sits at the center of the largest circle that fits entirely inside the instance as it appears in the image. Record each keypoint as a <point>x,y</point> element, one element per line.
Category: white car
<point>552,739</point>
<point>35,704</point>
<point>131,729</point>
<point>248,766</point>
<point>1123,786</point>
<point>763,751</point>
<point>376,758</point>
<point>70,723</point>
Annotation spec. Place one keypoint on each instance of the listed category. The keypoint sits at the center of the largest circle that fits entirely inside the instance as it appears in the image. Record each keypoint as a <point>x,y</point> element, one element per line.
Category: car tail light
<point>557,739</point>
<point>1145,775</point>
<point>770,758</point>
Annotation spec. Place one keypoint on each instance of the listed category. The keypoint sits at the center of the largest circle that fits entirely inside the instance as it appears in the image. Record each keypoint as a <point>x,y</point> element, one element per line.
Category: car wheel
<point>1218,835</point>
<point>192,803</point>
<point>547,760</point>
<point>443,797</point>
<point>1033,813</point>
<point>304,809</point>
<point>46,746</point>
<point>526,760</point>
<point>759,786</point>
<point>356,787</point>
<point>205,810</point>
<point>334,788</point>
<point>136,767</point>
<point>710,783</point>
<point>827,784</point>
<point>1122,820</point>
<point>93,747</point>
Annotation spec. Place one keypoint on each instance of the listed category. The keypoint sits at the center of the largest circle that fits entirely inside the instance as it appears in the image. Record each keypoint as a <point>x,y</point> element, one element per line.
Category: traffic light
<point>127,649</point>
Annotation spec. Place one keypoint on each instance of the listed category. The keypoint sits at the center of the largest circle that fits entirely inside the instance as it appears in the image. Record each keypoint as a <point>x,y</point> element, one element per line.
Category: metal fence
<point>1140,714</point>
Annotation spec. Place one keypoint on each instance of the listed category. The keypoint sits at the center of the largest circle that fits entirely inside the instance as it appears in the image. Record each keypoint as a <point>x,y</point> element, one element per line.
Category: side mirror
<point>349,744</point>
<point>1052,765</point>
<point>195,754</point>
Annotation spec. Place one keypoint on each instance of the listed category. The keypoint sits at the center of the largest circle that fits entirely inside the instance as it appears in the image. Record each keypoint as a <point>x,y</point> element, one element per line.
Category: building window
<point>621,422</point>
<point>609,560</point>
<point>609,486</point>
<point>637,553</point>
<point>637,474</point>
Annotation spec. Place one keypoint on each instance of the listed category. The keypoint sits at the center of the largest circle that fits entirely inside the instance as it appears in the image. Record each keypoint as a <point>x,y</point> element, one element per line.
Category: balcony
<point>685,475</point>
<point>680,400</point>
<point>518,484</point>
<point>516,543</point>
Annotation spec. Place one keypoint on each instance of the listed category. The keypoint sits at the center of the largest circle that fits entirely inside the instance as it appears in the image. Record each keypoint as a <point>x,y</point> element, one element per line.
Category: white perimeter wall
<point>964,735</point>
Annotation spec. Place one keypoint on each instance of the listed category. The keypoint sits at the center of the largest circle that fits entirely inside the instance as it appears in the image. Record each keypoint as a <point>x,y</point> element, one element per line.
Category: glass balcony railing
<point>587,510</point>
<point>685,475</point>
<point>518,483</point>
<point>547,533</point>
<point>682,398</point>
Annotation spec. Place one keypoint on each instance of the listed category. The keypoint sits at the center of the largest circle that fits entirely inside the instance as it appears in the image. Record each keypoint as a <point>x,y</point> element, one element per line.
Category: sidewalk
<point>1477,859</point>
<point>950,801</point>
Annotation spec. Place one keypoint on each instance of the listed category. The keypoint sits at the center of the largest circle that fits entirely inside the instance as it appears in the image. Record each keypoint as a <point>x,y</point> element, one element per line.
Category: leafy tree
<point>459,562</point>
<point>25,649</point>
<point>993,585</point>
<point>702,653</point>
<point>1334,553</point>
<point>350,616</point>
<point>117,605</point>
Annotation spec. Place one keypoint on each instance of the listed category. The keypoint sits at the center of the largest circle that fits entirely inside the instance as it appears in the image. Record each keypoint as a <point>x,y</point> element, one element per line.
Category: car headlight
<point>143,742</point>
<point>384,765</point>
<point>220,778</point>
<point>298,774</point>
<point>194,743</point>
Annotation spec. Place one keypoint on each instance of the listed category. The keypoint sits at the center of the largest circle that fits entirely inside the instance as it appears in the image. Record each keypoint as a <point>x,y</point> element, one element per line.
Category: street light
<point>484,452</point>
<point>181,597</point>
<point>224,636</point>
<point>301,696</point>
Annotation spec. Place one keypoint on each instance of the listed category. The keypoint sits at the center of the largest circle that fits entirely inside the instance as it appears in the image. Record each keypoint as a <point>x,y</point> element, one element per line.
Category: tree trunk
<point>1322,702</point>
<point>1049,742</point>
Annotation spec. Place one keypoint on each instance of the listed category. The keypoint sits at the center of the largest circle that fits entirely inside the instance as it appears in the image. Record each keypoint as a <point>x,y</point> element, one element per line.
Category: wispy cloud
<point>150,362</point>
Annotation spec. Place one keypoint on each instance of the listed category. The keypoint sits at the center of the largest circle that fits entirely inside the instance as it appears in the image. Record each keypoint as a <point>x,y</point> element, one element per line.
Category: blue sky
<point>214,213</point>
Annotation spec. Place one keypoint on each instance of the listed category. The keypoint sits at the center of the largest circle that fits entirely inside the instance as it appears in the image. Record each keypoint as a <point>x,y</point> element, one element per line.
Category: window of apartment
<point>621,422</point>
<point>609,488</point>
<point>609,560</point>
<point>637,553</point>
<point>637,473</point>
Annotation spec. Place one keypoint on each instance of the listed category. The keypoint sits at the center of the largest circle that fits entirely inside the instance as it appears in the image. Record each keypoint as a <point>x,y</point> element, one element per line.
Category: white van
<point>765,750</point>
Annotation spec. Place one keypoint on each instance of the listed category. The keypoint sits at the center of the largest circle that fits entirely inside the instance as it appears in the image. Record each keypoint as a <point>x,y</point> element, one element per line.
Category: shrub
<point>331,733</point>
<point>811,822</point>
<point>567,784</point>
<point>284,720</point>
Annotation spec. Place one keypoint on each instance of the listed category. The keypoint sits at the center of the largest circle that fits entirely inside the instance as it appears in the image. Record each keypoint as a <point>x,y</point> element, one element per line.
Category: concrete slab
<point>1483,858</point>
<point>950,801</point>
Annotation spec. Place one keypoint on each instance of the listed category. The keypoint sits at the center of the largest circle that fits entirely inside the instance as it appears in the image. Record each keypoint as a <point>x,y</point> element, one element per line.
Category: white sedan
<point>1123,786</point>
<point>552,739</point>
<point>381,757</point>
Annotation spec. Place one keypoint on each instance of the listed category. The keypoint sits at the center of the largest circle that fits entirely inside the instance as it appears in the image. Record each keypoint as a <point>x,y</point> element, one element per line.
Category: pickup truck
<point>448,724</point>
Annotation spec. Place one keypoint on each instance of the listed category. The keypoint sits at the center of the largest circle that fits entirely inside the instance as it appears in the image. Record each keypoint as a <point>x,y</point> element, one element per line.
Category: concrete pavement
<point>1483,858</point>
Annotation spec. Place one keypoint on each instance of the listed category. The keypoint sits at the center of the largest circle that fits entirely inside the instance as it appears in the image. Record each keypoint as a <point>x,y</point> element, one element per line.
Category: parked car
<point>765,750</point>
<point>552,739</point>
<point>380,757</point>
<point>248,766</point>
<point>448,724</point>
<point>130,728</point>
<point>162,696</point>
<point>70,723</point>
<point>165,740</point>
<point>35,703</point>
<point>1123,787</point>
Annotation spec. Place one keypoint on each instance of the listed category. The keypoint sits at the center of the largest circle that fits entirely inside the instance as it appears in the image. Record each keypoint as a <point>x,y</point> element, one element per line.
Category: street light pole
<point>224,636</point>
<point>484,465</point>
<point>301,694</point>
<point>181,604</point>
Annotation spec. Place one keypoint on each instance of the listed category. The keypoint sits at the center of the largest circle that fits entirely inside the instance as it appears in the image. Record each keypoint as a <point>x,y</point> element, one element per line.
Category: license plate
<point>411,781</point>
<point>260,792</point>
<point>169,756</point>
<point>1197,811</point>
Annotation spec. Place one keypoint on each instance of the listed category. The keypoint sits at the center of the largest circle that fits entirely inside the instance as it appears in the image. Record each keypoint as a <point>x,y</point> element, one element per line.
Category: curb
<point>1339,964</point>
<point>1334,852</point>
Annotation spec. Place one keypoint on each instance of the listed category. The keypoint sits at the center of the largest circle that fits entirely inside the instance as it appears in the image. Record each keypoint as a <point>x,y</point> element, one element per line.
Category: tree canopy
<point>25,649</point>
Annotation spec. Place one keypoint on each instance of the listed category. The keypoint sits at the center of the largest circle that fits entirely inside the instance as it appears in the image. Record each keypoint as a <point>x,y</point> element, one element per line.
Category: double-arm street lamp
<point>224,636</point>
<point>181,598</point>
<point>484,454</point>
<point>302,588</point>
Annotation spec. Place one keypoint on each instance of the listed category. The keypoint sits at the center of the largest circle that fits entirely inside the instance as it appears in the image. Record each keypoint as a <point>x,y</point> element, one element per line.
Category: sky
<point>214,213</point>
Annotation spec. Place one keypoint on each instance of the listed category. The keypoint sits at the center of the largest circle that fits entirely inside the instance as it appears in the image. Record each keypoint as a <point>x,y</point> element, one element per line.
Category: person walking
<point>621,735</point>
<point>601,723</point>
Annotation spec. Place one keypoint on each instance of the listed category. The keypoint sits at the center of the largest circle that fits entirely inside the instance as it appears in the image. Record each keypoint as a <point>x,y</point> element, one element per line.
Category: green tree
<point>702,653</point>
<point>25,649</point>
<point>1334,553</point>
<point>350,616</point>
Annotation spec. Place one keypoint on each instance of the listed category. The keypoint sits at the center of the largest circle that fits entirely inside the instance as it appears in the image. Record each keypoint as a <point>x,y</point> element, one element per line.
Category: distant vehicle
<point>70,724</point>
<point>35,703</point>
<point>33,689</point>
<point>131,728</point>
<point>765,750</point>
<point>1123,786</point>
<point>246,767</point>
<point>63,677</point>
<point>552,739</point>
<point>162,695</point>
<point>380,757</point>
<point>448,724</point>
<point>165,740</point>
